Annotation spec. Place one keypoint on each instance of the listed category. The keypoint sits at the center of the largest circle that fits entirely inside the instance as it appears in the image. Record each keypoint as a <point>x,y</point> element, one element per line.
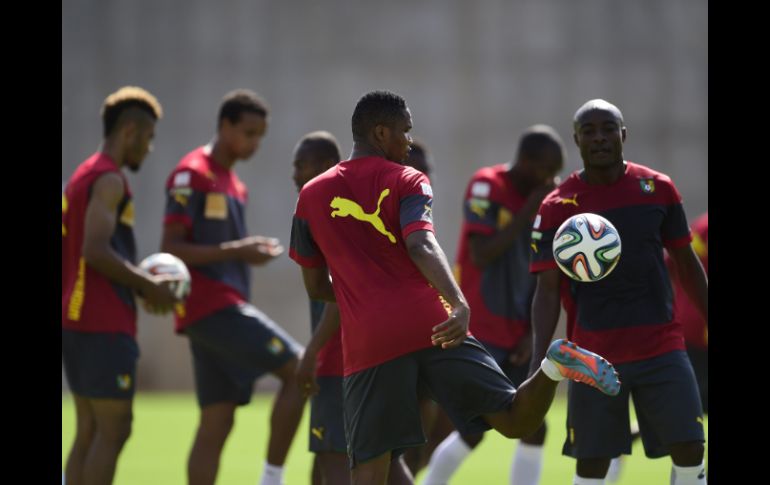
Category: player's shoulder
<point>193,170</point>
<point>644,172</point>
<point>565,191</point>
<point>486,181</point>
<point>320,184</point>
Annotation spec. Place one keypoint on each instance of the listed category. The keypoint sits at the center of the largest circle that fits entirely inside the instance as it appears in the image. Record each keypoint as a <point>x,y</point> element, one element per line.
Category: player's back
<point>359,214</point>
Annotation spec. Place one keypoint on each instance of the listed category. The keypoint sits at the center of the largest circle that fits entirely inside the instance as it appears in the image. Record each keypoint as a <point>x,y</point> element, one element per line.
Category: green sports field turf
<point>164,425</point>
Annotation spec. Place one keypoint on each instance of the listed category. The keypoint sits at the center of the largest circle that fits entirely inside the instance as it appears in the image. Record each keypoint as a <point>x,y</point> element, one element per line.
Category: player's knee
<point>536,438</point>
<point>687,454</point>
<point>216,428</point>
<point>286,373</point>
<point>514,430</point>
<point>592,467</point>
<point>118,429</point>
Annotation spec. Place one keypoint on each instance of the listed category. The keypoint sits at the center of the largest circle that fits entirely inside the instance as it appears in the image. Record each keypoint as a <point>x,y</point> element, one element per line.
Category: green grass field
<point>164,425</point>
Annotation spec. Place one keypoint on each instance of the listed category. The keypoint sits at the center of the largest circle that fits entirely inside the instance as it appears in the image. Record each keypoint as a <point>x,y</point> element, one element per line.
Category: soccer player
<point>315,153</point>
<point>99,280</point>
<point>232,342</point>
<point>492,270</point>
<point>368,222</point>
<point>627,316</point>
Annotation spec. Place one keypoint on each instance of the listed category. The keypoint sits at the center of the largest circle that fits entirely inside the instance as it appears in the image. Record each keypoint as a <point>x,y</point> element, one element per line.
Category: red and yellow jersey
<point>90,301</point>
<point>500,294</point>
<point>627,315</point>
<point>354,219</point>
<point>210,202</point>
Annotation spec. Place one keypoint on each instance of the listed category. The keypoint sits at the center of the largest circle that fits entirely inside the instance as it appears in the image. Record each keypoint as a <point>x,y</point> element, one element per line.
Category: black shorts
<point>100,365</point>
<point>327,428</point>
<point>382,411</point>
<point>516,373</point>
<point>667,407</point>
<point>232,348</point>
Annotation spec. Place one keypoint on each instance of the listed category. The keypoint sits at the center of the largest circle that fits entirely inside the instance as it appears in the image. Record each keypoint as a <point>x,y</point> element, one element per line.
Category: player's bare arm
<point>318,284</point>
<point>100,222</point>
<point>254,250</point>
<point>545,315</point>
<point>430,259</point>
<point>692,277</point>
<point>328,326</point>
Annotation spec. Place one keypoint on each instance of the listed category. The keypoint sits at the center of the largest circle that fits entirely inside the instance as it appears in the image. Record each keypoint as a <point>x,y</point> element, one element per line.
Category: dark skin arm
<point>317,284</point>
<point>692,278</point>
<point>546,307</point>
<point>254,250</point>
<point>429,258</point>
<point>327,327</point>
<point>485,249</point>
<point>100,223</point>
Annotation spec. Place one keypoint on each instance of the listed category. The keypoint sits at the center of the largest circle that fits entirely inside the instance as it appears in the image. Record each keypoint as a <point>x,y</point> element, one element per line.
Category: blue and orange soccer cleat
<point>584,366</point>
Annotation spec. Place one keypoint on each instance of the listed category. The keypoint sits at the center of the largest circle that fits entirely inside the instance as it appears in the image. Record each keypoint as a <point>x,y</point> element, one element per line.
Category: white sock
<point>578,480</point>
<point>271,475</point>
<point>689,475</point>
<point>613,473</point>
<point>446,459</point>
<point>527,464</point>
<point>550,369</point>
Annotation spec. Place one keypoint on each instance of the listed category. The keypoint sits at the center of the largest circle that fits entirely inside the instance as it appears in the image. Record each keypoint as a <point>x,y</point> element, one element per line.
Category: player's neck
<point>519,180</point>
<point>112,148</point>
<point>603,176</point>
<point>363,150</point>
<point>219,154</point>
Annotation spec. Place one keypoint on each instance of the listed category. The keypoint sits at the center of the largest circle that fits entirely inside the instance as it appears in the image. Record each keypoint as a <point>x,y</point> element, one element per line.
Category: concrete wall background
<point>475,74</point>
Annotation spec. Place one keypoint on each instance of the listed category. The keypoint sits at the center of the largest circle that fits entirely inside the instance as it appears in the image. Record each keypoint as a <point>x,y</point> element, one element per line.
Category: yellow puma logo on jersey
<point>318,432</point>
<point>572,201</point>
<point>346,207</point>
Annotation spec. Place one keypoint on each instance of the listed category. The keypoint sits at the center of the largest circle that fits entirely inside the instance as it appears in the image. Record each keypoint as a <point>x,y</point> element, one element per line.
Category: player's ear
<point>623,134</point>
<point>381,132</point>
<point>574,137</point>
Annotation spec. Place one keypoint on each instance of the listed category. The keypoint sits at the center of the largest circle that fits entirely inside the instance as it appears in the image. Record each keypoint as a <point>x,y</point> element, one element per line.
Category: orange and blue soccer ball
<point>586,247</point>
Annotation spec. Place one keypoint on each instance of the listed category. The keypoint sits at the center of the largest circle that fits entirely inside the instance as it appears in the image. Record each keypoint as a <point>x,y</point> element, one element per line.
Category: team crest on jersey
<point>478,206</point>
<point>275,346</point>
<point>124,382</point>
<point>647,185</point>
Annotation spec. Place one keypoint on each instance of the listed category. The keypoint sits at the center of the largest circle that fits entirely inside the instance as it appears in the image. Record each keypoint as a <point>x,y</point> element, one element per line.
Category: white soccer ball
<point>165,263</point>
<point>586,247</point>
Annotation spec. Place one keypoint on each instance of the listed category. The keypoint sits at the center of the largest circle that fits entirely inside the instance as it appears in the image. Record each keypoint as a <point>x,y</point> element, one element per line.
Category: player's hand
<point>159,297</point>
<point>453,331</point>
<point>258,250</point>
<point>305,374</point>
<point>523,352</point>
